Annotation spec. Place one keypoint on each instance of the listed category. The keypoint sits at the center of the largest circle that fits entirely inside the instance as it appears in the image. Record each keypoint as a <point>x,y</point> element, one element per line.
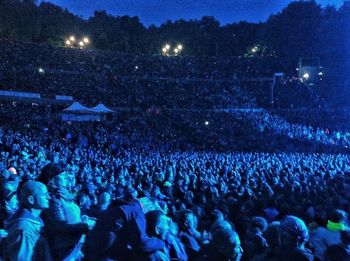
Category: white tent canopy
<point>101,108</point>
<point>77,107</point>
<point>78,112</point>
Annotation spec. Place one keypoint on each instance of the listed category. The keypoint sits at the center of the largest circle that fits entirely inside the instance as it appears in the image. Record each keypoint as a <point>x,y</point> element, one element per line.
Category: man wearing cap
<point>63,218</point>
<point>24,241</point>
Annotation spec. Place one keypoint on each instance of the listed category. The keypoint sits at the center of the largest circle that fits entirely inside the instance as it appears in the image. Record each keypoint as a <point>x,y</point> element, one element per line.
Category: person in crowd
<point>294,236</point>
<point>158,225</point>
<point>323,237</point>
<point>219,221</point>
<point>254,241</point>
<point>225,246</point>
<point>104,201</point>
<point>25,239</point>
<point>63,218</point>
<point>189,234</point>
<point>120,233</point>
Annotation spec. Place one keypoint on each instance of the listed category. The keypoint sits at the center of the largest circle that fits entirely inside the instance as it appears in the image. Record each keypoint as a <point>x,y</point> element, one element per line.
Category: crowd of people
<point>124,80</point>
<point>116,194</point>
<point>193,166</point>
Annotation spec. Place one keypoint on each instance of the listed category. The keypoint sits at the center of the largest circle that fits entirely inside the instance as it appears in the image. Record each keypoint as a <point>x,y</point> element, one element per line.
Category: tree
<point>293,32</point>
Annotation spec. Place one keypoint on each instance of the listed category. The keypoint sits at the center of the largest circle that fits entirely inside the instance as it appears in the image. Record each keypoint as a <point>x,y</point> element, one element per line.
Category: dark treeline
<point>301,29</point>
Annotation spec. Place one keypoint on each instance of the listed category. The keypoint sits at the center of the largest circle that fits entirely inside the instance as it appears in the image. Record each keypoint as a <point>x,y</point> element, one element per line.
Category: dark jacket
<point>188,237</point>
<point>62,235</point>
<point>120,234</point>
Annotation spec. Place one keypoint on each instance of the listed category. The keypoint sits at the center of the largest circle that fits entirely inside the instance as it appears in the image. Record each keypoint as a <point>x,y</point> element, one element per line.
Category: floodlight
<point>306,76</point>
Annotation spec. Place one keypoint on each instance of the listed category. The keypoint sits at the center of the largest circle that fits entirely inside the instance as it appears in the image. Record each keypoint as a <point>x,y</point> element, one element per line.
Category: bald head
<point>34,195</point>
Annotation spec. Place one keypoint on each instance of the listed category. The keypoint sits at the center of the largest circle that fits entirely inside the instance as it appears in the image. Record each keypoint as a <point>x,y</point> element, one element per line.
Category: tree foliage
<point>303,28</point>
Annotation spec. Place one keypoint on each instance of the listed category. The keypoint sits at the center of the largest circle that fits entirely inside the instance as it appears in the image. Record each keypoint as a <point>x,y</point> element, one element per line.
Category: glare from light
<point>167,46</point>
<point>164,50</point>
<point>86,40</point>
<point>41,70</point>
<point>176,50</point>
<point>306,76</point>
<point>136,67</point>
<point>72,38</point>
<point>206,123</point>
<point>81,43</point>
<point>180,47</point>
<point>320,73</point>
<point>297,69</point>
<point>68,42</point>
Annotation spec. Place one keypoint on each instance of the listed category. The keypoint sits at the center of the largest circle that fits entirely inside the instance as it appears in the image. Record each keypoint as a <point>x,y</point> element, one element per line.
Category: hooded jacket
<point>25,241</point>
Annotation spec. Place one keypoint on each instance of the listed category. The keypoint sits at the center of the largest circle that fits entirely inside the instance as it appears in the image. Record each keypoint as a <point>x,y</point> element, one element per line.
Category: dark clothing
<point>211,254</point>
<point>254,244</point>
<point>120,234</point>
<point>296,254</point>
<point>63,236</point>
<point>191,244</point>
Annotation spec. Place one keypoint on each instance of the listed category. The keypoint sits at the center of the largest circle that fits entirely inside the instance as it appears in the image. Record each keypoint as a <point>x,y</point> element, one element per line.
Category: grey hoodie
<point>24,241</point>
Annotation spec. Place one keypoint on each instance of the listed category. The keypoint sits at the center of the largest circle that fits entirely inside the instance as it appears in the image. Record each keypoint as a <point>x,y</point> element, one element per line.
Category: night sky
<point>158,11</point>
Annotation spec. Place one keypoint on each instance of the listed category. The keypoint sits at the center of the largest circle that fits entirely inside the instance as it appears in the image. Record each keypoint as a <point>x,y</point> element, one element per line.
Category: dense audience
<point>144,81</point>
<point>165,179</point>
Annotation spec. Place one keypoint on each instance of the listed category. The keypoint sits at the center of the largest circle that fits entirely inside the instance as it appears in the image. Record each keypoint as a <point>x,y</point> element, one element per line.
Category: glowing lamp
<point>306,76</point>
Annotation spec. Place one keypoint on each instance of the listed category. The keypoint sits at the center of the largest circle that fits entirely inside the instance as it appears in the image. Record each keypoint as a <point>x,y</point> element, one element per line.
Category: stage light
<point>72,39</point>
<point>41,70</point>
<point>176,51</point>
<point>68,42</point>
<point>206,123</point>
<point>164,50</point>
<point>81,43</point>
<point>180,47</point>
<point>320,73</point>
<point>167,46</point>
